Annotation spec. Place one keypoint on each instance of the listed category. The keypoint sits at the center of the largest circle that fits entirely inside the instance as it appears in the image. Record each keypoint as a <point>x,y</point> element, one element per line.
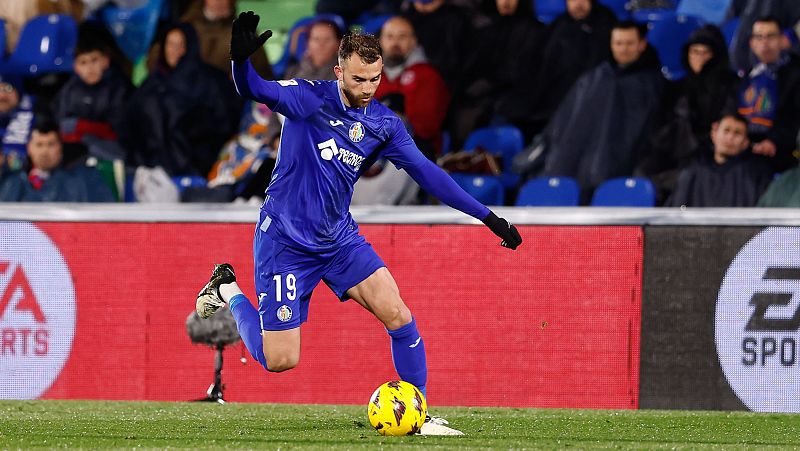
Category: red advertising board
<point>554,324</point>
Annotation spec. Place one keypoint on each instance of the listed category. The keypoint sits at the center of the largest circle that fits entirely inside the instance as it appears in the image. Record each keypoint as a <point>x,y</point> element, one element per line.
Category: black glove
<point>244,40</point>
<point>504,229</point>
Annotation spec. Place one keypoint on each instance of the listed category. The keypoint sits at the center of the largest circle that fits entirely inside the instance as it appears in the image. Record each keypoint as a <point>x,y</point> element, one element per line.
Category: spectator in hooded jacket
<point>184,111</point>
<point>725,174</point>
<point>770,96</point>
<point>576,42</point>
<point>691,105</point>
<point>16,119</point>
<point>599,130</point>
<point>407,73</point>
<point>90,106</point>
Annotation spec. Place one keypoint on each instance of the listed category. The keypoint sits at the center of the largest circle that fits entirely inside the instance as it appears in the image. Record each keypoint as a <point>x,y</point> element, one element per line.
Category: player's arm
<point>291,98</point>
<point>404,153</point>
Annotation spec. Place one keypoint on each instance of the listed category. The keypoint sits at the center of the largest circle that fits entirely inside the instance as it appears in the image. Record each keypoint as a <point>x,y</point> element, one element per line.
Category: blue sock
<point>408,354</point>
<point>249,325</point>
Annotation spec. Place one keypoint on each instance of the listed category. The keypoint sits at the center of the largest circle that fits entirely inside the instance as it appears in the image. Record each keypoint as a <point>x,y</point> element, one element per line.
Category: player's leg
<point>380,295</point>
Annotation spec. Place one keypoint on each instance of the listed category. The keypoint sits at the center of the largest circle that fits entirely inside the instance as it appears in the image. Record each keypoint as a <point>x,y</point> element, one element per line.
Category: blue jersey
<point>325,147</point>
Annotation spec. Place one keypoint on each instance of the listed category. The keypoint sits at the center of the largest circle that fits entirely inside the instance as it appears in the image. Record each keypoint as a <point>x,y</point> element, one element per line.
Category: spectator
<point>213,20</point>
<point>90,106</point>
<point>502,65</point>
<point>577,41</point>
<point>691,105</point>
<point>444,31</point>
<point>407,73</point>
<point>770,96</point>
<point>321,53</point>
<point>16,119</point>
<point>599,130</point>
<point>351,10</point>
<point>783,192</point>
<point>725,175</point>
<point>47,180</point>
<point>749,11</point>
<point>184,111</point>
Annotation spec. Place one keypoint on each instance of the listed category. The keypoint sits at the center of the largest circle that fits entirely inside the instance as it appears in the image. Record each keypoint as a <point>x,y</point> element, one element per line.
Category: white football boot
<point>437,426</point>
<point>209,300</point>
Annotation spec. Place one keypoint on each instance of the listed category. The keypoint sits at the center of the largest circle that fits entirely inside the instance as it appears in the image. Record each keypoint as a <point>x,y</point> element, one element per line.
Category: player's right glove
<point>504,229</point>
<point>244,40</point>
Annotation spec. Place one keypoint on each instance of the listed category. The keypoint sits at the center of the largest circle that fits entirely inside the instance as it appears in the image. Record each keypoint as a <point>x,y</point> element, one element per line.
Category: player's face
<point>765,42</point>
<point>322,44</point>
<point>359,80</point>
<point>174,47</point>
<point>729,137</point>
<point>626,45</point>
<point>44,150</point>
<point>90,66</point>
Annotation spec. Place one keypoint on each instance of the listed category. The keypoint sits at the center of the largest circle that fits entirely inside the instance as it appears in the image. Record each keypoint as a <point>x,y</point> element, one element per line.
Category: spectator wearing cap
<point>46,180</point>
<point>770,95</point>
<point>16,119</point>
<point>407,74</point>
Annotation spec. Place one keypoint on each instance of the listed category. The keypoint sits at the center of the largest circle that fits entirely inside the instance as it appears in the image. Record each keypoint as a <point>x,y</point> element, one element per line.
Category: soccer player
<point>334,130</point>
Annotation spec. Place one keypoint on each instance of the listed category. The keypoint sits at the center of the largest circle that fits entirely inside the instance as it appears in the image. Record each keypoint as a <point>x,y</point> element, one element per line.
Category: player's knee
<point>284,362</point>
<point>398,317</point>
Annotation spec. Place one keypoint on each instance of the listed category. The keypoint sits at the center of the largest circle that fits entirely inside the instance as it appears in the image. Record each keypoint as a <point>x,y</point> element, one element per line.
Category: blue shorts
<point>286,276</point>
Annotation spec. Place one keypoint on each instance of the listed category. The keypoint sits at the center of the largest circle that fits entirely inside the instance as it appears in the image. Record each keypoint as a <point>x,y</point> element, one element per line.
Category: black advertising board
<point>720,318</point>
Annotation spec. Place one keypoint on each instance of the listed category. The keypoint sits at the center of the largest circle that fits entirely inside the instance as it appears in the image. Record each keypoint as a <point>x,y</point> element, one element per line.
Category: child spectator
<point>731,177</point>
<point>90,106</point>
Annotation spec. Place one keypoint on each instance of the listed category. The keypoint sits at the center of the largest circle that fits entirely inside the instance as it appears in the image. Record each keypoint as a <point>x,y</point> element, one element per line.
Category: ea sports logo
<point>757,321</point>
<point>37,311</point>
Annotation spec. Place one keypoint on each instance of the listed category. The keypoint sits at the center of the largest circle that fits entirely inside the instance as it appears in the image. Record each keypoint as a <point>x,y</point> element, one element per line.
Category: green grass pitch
<point>103,424</point>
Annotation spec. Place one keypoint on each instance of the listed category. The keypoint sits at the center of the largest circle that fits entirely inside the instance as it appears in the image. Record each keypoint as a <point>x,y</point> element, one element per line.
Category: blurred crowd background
<point>546,103</point>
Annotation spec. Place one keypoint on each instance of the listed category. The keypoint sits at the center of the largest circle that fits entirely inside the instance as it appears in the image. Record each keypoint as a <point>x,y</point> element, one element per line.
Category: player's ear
<point>338,71</point>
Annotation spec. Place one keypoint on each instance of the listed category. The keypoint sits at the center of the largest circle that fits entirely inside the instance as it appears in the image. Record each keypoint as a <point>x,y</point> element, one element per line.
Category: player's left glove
<point>504,229</point>
<point>244,40</point>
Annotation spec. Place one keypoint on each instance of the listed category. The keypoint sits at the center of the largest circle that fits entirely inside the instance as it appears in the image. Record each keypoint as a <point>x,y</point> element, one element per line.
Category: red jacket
<point>426,98</point>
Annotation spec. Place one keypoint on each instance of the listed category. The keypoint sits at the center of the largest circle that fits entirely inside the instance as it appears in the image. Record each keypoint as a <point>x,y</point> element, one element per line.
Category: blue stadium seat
<point>729,29</point>
<point>189,181</point>
<point>667,35</point>
<point>298,39</point>
<point>487,189</point>
<point>133,28</point>
<point>549,192</point>
<point>548,10</point>
<point>711,11</point>
<point>46,44</point>
<point>619,7</point>
<point>625,192</point>
<point>373,24</point>
<point>505,141</point>
<point>2,41</point>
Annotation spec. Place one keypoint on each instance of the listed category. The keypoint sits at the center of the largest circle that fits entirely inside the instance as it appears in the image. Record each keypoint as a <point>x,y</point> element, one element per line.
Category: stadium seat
<point>711,11</point>
<point>297,40</point>
<point>133,28</point>
<point>46,44</point>
<point>187,181</point>
<point>625,192</point>
<point>668,34</point>
<point>505,141</point>
<point>548,10</point>
<point>486,189</point>
<point>619,7</point>
<point>549,192</point>
<point>2,41</point>
<point>373,24</point>
<point>729,29</point>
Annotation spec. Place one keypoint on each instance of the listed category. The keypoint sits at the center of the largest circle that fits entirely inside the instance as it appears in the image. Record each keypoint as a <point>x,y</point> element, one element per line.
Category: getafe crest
<point>356,132</point>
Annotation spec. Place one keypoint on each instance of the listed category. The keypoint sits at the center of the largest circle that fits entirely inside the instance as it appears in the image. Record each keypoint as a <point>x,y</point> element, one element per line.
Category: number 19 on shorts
<point>290,289</point>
